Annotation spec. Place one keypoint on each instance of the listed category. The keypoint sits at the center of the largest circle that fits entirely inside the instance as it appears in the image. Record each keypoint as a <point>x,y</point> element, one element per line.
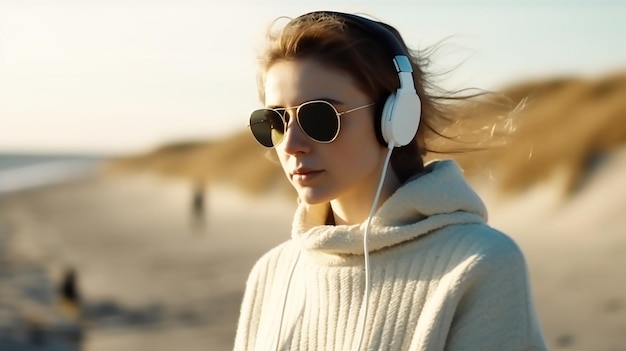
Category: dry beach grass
<point>564,123</point>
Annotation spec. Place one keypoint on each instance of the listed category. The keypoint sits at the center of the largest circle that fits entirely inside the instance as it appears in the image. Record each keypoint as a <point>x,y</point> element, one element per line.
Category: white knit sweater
<point>441,279</point>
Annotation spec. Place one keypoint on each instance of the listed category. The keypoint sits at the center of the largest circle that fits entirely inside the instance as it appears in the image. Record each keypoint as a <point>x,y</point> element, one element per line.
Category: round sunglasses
<point>318,119</point>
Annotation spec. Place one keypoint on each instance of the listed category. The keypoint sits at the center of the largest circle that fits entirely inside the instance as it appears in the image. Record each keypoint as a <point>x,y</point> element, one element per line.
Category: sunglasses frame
<point>297,116</point>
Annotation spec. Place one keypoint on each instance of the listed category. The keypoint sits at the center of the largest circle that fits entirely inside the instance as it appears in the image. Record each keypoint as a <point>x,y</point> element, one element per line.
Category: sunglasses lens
<point>319,121</point>
<point>267,127</point>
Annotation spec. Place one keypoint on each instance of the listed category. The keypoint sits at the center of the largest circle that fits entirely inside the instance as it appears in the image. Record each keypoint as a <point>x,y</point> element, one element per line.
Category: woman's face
<point>345,171</point>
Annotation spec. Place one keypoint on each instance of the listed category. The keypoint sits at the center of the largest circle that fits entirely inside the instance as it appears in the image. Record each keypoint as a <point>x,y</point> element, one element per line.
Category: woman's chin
<point>313,197</point>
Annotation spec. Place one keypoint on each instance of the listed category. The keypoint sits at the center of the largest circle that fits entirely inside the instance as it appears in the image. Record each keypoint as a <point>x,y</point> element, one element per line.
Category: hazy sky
<point>129,75</point>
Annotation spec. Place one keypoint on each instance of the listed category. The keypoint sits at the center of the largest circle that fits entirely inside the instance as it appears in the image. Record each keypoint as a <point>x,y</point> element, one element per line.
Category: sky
<point>127,76</point>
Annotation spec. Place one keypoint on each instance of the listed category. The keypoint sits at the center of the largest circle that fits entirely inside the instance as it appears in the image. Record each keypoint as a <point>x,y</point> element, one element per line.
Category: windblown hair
<point>337,43</point>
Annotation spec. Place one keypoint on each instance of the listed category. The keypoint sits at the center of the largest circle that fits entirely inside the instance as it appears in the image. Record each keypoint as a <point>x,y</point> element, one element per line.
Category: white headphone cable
<point>366,294</point>
<point>363,317</point>
<point>282,313</point>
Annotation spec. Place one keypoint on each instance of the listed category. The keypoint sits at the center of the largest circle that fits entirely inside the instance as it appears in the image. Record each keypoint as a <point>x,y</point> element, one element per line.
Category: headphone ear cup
<point>385,119</point>
<point>400,117</point>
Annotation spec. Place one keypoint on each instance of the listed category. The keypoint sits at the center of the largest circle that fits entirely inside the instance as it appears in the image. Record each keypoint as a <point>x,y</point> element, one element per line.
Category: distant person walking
<point>198,206</point>
<point>69,293</point>
<point>71,304</point>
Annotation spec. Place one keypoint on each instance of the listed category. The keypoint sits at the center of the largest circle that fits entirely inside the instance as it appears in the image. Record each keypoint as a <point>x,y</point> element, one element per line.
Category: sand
<point>155,278</point>
<point>152,276</point>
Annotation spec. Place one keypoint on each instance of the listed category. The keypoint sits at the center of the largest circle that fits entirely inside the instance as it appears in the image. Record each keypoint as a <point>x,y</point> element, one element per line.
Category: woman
<point>380,258</point>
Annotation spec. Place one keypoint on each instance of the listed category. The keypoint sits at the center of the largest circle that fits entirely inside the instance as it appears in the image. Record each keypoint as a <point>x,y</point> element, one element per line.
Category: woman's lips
<point>305,175</point>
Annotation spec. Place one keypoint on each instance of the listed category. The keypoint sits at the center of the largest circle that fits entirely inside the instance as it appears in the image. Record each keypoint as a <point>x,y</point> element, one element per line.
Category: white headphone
<point>402,110</point>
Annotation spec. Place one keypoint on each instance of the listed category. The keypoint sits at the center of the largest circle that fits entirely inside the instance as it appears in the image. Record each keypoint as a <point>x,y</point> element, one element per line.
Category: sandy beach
<point>154,277</point>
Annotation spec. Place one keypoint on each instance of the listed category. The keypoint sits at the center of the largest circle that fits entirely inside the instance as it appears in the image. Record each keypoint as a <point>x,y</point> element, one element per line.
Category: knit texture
<point>441,279</point>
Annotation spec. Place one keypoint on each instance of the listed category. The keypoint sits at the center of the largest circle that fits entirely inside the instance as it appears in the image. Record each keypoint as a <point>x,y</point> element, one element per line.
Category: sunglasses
<point>318,119</point>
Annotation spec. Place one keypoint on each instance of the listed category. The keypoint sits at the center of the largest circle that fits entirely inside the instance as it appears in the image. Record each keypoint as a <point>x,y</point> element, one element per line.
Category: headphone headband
<point>380,31</point>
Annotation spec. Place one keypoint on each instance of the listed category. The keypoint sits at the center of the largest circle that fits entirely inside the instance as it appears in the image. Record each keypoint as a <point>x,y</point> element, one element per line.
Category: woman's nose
<point>295,141</point>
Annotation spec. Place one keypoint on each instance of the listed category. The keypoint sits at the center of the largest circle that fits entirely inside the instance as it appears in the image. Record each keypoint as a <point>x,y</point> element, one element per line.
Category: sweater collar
<point>439,197</point>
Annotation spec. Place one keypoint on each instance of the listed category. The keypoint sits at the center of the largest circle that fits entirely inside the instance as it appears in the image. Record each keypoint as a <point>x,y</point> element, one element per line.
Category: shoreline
<point>23,172</point>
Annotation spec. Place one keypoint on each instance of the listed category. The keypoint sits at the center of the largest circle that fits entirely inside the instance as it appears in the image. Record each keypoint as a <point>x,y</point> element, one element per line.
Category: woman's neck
<point>355,208</point>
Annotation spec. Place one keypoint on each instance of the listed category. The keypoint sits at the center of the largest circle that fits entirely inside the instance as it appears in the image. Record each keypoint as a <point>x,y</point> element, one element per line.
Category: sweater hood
<point>437,197</point>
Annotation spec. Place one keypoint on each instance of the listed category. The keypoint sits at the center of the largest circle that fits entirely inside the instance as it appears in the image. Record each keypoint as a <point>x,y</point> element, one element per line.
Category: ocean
<point>26,171</point>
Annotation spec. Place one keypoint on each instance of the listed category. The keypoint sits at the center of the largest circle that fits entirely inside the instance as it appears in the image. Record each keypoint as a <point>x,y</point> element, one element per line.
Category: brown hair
<point>340,44</point>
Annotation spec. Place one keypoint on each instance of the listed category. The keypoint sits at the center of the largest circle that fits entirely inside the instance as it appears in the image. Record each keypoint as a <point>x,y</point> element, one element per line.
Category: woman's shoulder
<point>479,243</point>
<point>485,236</point>
<point>491,241</point>
<point>488,249</point>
